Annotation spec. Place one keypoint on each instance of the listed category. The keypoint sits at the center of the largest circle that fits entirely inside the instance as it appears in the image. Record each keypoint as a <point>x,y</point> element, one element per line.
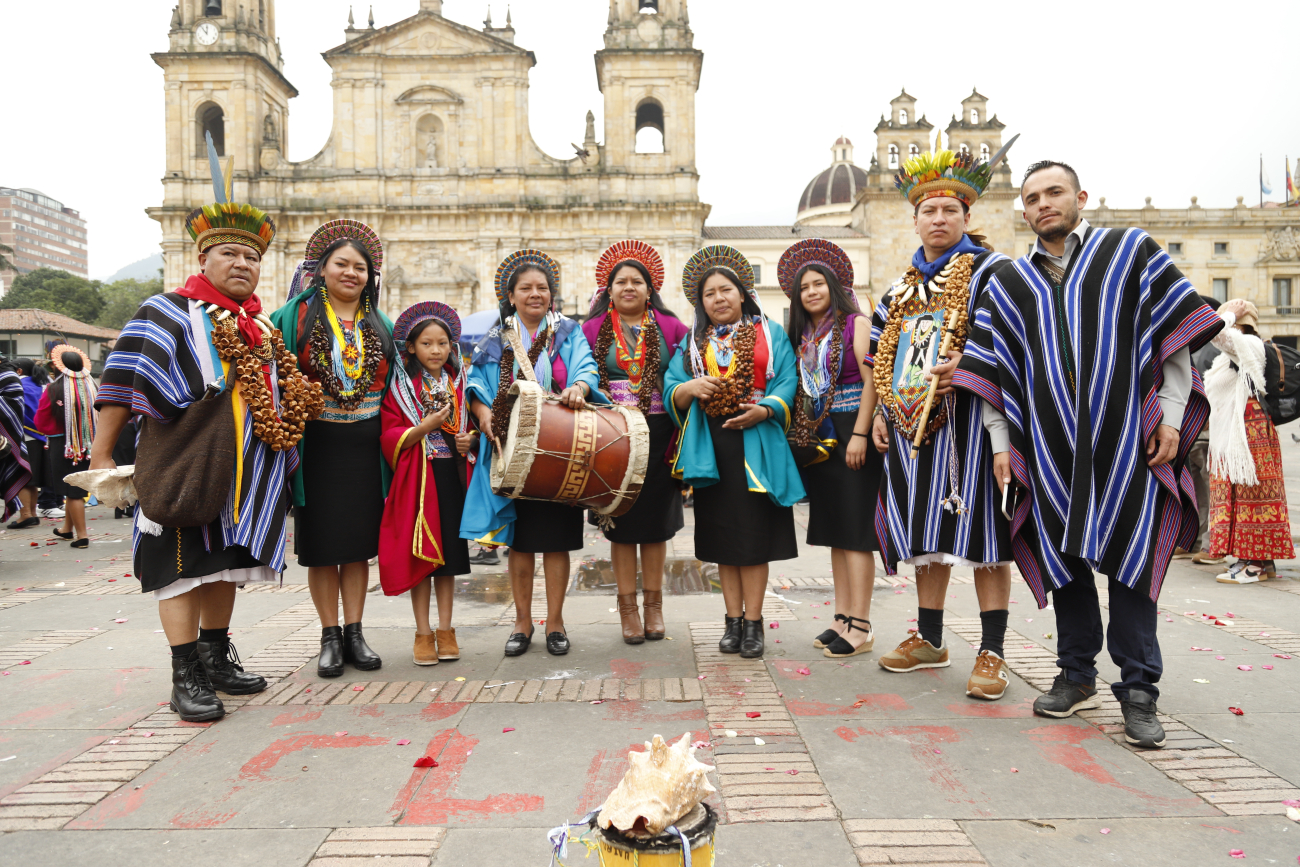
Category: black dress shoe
<point>730,642</point>
<point>61,534</point>
<point>1066,697</point>
<point>557,643</point>
<point>330,663</point>
<point>1142,727</point>
<point>221,662</point>
<point>33,521</point>
<point>192,694</point>
<point>83,542</point>
<point>517,643</point>
<point>751,639</point>
<point>355,650</point>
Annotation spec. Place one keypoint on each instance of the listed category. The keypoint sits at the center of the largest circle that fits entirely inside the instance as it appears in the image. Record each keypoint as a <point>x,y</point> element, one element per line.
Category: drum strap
<point>521,355</point>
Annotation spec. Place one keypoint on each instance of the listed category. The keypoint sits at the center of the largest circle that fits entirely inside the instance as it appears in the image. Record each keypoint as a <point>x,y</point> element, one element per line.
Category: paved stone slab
<point>162,848</point>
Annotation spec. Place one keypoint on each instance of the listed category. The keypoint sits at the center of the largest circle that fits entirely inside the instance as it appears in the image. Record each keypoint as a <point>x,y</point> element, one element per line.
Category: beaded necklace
<point>349,350</point>
<point>632,360</point>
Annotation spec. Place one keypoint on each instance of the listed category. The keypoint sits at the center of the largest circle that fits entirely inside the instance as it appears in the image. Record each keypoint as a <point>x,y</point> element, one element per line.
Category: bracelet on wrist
<point>856,434</point>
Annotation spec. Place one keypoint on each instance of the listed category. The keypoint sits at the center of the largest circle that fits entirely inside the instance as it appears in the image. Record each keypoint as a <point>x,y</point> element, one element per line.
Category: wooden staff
<point>949,329</point>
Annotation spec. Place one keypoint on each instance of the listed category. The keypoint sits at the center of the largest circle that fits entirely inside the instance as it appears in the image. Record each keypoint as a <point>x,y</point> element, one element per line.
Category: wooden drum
<point>594,457</point>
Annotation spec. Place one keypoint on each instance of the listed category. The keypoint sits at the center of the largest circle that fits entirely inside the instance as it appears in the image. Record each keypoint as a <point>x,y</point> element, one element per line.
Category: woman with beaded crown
<point>206,338</point>
<point>426,441</point>
<point>634,336</point>
<point>730,389</point>
<point>66,415</point>
<point>940,503</point>
<point>527,287</point>
<point>832,430</point>
<point>343,341</point>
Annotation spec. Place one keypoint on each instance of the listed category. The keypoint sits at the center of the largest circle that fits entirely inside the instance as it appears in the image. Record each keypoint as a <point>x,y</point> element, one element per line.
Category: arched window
<point>965,148</point>
<point>211,119</point>
<point>648,7</point>
<point>893,156</point>
<point>975,115</point>
<point>844,153</point>
<point>212,9</point>
<point>649,127</point>
<point>902,116</point>
<point>913,151</point>
<point>984,152</point>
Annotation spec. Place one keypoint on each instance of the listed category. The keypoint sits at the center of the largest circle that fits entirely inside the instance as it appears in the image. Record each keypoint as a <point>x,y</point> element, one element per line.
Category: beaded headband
<point>424,311</point>
<point>717,256</point>
<point>628,251</point>
<point>521,259</point>
<point>56,359</point>
<point>351,229</point>
<point>813,251</point>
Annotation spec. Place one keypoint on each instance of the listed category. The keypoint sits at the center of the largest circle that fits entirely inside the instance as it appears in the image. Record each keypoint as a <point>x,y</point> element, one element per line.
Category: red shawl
<point>410,534</point>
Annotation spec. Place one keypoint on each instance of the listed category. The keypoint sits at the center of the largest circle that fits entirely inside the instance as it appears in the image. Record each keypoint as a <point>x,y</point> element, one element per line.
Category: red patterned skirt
<point>1250,521</point>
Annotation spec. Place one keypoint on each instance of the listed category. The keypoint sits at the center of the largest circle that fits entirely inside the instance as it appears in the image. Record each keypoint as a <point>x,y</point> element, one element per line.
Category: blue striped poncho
<point>156,370</point>
<point>1092,501</point>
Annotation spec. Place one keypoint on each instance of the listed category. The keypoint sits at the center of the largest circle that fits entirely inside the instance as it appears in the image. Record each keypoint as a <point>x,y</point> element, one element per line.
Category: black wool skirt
<point>657,514</point>
<point>344,492</point>
<point>841,501</point>
<point>451,505</point>
<point>57,466</point>
<point>547,528</point>
<point>735,526</point>
<point>182,553</point>
<point>36,460</point>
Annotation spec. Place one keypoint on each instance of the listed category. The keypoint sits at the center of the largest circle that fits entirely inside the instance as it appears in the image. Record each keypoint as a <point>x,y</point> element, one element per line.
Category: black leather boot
<point>221,662</point>
<point>330,663</point>
<point>355,650</point>
<point>192,694</point>
<point>730,642</point>
<point>751,641</point>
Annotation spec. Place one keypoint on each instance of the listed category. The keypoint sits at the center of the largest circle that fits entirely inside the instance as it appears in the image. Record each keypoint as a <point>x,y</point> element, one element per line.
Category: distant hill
<point>145,269</point>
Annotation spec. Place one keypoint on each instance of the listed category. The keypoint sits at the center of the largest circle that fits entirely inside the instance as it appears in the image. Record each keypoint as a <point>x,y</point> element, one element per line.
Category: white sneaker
<point>1230,577</point>
<point>56,512</point>
<point>1252,573</point>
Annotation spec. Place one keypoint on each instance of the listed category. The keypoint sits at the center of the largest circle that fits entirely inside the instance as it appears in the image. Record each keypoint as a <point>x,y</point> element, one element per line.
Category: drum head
<point>510,468</point>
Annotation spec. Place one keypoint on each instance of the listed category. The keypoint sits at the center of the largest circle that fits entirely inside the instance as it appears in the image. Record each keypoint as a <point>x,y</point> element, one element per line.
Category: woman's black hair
<point>412,364</point>
<point>72,361</point>
<point>1247,329</point>
<point>40,373</point>
<point>840,302</point>
<point>24,365</point>
<point>316,307</point>
<point>508,309</point>
<point>748,307</point>
<point>604,302</point>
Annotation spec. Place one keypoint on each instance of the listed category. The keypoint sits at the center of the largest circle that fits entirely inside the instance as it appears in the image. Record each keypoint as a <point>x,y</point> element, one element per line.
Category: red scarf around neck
<point>200,288</point>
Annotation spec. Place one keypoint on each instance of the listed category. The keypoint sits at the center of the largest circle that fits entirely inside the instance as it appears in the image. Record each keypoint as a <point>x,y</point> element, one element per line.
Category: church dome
<point>835,188</point>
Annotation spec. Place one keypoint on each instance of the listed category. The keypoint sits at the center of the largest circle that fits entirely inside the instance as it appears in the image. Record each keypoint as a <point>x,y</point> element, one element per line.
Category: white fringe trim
<point>943,559</point>
<point>144,525</point>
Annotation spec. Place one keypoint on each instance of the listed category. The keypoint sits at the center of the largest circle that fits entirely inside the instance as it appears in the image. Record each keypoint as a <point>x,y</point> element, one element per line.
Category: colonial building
<point>430,144</point>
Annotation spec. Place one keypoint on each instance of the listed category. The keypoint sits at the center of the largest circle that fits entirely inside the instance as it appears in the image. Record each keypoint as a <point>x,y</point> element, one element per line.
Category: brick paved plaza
<point>856,765</point>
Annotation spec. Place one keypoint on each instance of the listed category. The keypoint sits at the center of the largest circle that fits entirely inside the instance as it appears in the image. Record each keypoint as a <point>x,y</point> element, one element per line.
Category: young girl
<point>426,443</point>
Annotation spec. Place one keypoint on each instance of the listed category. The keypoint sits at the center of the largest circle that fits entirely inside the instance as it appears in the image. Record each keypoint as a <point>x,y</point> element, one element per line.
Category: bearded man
<point>1084,346</point>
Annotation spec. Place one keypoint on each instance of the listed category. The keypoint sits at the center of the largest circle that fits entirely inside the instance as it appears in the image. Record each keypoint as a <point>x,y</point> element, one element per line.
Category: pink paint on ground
<point>440,710</point>
<point>295,719</point>
<point>883,701</point>
<point>259,767</point>
<point>425,800</point>
<point>994,710</point>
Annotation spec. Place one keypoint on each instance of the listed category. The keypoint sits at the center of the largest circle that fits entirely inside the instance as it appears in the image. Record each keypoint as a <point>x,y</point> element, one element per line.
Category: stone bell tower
<point>223,74</point>
<point>648,72</point>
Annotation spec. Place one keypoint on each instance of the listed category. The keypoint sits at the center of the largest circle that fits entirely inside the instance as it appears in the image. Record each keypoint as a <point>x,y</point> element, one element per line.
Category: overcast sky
<point>1150,98</point>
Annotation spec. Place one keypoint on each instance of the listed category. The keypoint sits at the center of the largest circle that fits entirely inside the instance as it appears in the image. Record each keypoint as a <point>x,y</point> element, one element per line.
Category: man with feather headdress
<point>1081,349</point>
<point>938,504</point>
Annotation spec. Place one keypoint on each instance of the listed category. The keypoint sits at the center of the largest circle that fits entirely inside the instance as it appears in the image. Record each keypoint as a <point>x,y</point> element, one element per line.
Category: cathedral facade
<point>431,146</point>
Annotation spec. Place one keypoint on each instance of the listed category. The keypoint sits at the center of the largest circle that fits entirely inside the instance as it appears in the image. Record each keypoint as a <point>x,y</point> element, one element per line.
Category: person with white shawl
<point>1248,512</point>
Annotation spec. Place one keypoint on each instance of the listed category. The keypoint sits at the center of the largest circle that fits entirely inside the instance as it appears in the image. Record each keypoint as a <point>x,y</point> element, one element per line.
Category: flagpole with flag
<point>1265,187</point>
<point>1290,183</point>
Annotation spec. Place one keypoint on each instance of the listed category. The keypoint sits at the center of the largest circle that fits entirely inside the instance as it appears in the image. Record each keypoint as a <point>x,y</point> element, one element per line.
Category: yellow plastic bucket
<point>619,850</point>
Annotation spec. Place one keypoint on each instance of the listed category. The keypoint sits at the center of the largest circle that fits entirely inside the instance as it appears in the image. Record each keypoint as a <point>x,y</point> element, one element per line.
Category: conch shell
<point>663,785</point>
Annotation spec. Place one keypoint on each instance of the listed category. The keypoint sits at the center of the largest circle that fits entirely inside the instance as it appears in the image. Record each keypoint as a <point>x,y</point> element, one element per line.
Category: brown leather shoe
<point>630,614</point>
<point>448,649</point>
<point>426,650</point>
<point>654,614</point>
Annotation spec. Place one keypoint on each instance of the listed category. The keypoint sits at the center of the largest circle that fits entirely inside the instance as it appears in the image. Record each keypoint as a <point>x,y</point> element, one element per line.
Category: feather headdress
<point>942,172</point>
<point>224,221</point>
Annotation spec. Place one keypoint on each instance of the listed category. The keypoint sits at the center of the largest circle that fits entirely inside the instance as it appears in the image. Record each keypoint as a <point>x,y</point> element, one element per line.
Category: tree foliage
<point>57,292</point>
<point>110,305</point>
<point>123,298</point>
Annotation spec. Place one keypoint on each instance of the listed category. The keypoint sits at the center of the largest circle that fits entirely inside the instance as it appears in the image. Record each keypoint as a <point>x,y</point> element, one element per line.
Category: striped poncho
<point>15,468</point>
<point>1092,502</point>
<point>158,369</point>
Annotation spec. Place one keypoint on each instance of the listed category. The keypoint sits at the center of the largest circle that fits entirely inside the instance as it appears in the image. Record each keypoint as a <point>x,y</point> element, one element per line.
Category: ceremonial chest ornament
<point>913,333</point>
